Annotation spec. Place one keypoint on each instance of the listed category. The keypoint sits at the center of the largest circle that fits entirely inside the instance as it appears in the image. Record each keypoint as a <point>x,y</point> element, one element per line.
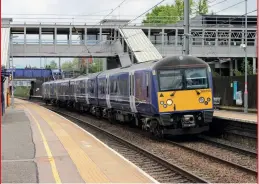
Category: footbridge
<point>81,41</point>
<point>212,37</point>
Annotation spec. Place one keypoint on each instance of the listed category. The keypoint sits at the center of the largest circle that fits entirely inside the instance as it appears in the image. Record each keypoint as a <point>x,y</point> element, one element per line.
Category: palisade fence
<point>223,88</point>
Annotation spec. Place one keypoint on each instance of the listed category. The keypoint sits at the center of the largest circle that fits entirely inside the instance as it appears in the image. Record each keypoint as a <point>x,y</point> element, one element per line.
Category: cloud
<point>28,6</point>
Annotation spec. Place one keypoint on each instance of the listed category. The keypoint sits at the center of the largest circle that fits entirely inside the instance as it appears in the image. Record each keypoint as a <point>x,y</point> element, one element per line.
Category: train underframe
<point>159,125</point>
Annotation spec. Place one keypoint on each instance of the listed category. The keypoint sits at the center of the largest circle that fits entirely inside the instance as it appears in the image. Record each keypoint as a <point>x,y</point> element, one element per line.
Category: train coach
<point>171,96</point>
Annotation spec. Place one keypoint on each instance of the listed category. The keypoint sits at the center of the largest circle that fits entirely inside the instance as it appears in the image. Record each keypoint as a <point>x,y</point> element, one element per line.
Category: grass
<point>22,91</point>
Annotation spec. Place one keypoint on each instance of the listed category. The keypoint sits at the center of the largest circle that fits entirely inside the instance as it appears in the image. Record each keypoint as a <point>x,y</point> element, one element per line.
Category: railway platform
<point>40,146</point>
<point>236,116</point>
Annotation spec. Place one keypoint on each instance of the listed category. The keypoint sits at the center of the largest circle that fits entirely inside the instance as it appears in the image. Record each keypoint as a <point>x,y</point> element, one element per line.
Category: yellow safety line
<point>88,170</point>
<point>50,157</point>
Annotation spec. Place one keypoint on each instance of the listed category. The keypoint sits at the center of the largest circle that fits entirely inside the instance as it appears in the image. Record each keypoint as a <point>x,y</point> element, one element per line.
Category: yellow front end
<point>185,100</point>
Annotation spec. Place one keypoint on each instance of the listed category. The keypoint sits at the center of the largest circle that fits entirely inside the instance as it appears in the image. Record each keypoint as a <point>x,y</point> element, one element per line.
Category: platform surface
<point>39,146</point>
<point>236,116</point>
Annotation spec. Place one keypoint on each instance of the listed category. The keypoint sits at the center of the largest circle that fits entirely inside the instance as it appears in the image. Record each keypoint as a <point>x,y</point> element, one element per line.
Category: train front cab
<point>185,100</point>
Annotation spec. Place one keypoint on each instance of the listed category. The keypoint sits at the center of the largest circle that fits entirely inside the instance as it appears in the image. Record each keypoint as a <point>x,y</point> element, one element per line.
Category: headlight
<point>165,106</point>
<point>169,102</point>
<point>162,103</point>
<point>208,99</point>
<point>201,100</point>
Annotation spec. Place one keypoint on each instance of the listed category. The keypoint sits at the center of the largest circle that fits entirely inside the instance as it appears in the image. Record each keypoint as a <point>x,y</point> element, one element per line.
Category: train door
<point>49,90</point>
<point>148,94</point>
<point>132,92</point>
<point>86,91</point>
<point>69,90</point>
<point>108,101</point>
<point>75,84</point>
<point>56,89</point>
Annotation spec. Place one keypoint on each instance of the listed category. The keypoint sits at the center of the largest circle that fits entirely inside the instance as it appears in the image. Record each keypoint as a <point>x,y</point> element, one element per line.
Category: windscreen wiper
<point>173,94</point>
<point>198,93</point>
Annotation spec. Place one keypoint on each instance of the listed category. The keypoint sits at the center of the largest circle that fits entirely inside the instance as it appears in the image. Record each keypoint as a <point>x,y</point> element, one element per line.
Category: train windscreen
<point>182,79</point>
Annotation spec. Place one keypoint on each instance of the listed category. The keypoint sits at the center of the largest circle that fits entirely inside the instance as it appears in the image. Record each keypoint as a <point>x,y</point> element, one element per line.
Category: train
<point>169,96</point>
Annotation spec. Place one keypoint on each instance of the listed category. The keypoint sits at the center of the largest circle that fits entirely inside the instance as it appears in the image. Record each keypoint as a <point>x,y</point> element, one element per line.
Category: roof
<point>179,61</point>
<point>7,20</point>
<point>105,21</point>
<point>139,43</point>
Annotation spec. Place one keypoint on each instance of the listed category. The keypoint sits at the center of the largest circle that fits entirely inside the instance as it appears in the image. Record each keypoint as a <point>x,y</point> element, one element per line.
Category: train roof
<point>179,61</point>
<point>165,63</point>
<point>133,67</point>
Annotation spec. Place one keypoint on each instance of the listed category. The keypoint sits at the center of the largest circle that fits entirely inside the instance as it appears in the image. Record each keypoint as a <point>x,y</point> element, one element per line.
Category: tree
<point>215,74</point>
<point>202,7</point>
<point>249,68</point>
<point>96,66</point>
<point>70,65</point>
<point>169,14</point>
<point>162,14</point>
<point>241,72</point>
<point>53,65</point>
<point>179,8</point>
<point>66,66</point>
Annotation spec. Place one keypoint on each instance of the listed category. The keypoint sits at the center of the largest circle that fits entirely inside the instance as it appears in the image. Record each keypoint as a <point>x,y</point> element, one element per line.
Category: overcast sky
<point>36,10</point>
<point>129,7</point>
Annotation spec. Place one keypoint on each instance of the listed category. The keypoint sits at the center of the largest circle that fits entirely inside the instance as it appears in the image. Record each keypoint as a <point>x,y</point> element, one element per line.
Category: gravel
<point>235,157</point>
<point>204,167</point>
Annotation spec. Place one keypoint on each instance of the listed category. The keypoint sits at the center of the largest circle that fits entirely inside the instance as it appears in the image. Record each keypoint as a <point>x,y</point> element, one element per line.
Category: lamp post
<point>245,48</point>
<point>186,27</point>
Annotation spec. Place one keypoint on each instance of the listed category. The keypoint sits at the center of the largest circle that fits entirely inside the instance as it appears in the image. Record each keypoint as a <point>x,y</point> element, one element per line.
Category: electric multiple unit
<point>171,96</point>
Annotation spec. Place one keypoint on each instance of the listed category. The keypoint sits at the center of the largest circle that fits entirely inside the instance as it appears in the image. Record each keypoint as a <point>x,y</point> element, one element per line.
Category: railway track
<point>158,168</point>
<point>228,145</point>
<point>241,155</point>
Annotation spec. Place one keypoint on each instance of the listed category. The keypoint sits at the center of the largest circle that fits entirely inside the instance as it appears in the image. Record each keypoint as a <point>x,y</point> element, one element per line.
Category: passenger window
<point>123,87</point>
<point>102,87</point>
<point>111,86</point>
<point>115,87</point>
<point>92,89</point>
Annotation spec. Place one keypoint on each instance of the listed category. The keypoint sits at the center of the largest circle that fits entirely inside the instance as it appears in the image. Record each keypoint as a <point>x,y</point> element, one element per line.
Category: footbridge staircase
<point>134,47</point>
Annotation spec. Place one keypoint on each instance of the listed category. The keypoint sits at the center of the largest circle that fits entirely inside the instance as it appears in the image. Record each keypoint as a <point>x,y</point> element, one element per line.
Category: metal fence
<point>224,88</point>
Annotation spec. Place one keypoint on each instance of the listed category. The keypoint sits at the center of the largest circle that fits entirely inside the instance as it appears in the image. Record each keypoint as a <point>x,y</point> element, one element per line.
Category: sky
<point>93,11</point>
